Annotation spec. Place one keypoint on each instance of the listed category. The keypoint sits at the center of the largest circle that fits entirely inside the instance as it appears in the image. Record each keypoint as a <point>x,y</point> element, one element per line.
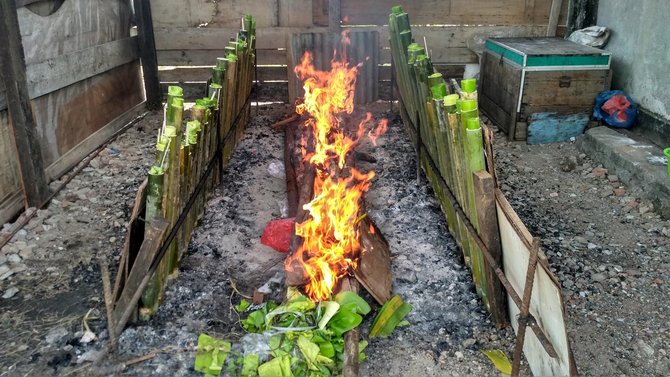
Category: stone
<point>658,281</point>
<point>598,277</point>
<point>90,355</point>
<point>646,208</point>
<point>467,343</point>
<point>553,195</point>
<point>3,259</point>
<point>459,355</point>
<point>591,246</point>
<point>9,293</point>
<point>619,191</point>
<point>57,336</point>
<point>13,258</point>
<point>599,172</point>
<point>5,272</point>
<point>612,178</point>
<point>568,163</point>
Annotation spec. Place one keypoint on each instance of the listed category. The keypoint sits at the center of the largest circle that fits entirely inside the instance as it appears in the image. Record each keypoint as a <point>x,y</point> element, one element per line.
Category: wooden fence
<point>83,83</point>
<point>188,32</point>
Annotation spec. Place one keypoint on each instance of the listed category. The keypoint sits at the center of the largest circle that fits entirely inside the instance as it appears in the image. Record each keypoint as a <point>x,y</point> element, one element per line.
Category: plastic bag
<point>277,234</point>
<point>594,36</point>
<point>615,108</point>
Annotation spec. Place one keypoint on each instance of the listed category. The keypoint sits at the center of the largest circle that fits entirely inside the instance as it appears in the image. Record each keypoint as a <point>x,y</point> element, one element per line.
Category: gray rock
<point>598,277</point>
<point>459,355</point>
<point>592,246</point>
<point>3,259</point>
<point>10,293</point>
<point>90,355</point>
<point>612,178</point>
<point>57,336</point>
<point>467,343</point>
<point>13,258</point>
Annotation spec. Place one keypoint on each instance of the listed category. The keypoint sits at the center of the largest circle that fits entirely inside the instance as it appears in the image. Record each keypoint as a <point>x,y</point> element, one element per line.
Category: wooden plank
<point>137,278</point>
<point>10,176</point>
<point>455,12</point>
<point>484,186</point>
<point>208,57</point>
<point>56,73</point>
<point>320,12</point>
<point>202,74</point>
<point>500,87</point>
<point>546,303</point>
<point>210,38</point>
<point>334,15</point>
<point>553,17</point>
<point>145,33</point>
<point>267,13</point>
<point>26,139</point>
<point>72,157</point>
<point>10,206</point>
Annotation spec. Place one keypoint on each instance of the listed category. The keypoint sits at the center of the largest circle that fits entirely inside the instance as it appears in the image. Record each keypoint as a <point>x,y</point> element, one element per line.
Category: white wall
<point>640,45</point>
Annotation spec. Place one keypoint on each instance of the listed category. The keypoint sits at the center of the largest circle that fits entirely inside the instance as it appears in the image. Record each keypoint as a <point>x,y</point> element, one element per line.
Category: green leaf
<point>344,321</point>
<point>362,345</point>
<point>211,354</point>
<point>255,321</point>
<point>331,307</point>
<point>348,297</point>
<point>277,367</point>
<point>327,350</point>
<point>500,360</point>
<point>309,350</point>
<point>250,366</point>
<point>242,306</point>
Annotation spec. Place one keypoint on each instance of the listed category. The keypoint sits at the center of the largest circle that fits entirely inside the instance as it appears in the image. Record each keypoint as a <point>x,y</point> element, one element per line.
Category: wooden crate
<point>541,89</point>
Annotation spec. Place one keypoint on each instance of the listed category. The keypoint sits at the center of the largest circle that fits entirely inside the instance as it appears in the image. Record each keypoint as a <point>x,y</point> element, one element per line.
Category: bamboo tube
<point>475,156</point>
<point>171,198</point>
<point>154,201</point>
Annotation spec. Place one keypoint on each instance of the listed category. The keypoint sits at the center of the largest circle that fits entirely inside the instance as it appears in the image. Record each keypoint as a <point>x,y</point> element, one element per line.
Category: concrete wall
<point>640,45</point>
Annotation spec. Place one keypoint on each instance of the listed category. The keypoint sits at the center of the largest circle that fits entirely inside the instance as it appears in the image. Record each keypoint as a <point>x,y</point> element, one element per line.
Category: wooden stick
<point>525,306</point>
<point>109,301</point>
<point>286,121</point>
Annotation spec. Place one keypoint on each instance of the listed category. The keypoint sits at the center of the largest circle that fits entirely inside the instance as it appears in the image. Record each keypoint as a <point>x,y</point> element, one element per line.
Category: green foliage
<point>211,355</point>
<point>307,339</point>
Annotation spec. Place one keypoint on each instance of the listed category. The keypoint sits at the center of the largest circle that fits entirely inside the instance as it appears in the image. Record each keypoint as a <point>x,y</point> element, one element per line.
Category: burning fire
<point>331,246</point>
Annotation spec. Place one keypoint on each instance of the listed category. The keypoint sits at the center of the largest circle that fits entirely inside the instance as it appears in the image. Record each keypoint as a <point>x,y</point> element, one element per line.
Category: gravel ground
<point>608,249</point>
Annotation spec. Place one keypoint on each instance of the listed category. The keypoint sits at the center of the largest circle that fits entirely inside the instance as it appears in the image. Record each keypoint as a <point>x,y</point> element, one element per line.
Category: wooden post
<point>13,72</point>
<point>488,230</point>
<point>145,32</point>
<point>334,16</point>
<point>553,17</point>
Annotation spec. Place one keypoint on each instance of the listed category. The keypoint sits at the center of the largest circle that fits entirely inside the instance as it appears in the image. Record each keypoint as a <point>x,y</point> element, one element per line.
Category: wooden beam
<point>140,273</point>
<point>26,138</point>
<point>334,15</point>
<point>145,32</point>
<point>487,218</point>
<point>553,17</point>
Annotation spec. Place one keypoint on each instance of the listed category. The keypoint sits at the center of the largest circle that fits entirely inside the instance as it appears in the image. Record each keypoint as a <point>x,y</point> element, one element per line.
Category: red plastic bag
<point>617,104</point>
<point>277,234</point>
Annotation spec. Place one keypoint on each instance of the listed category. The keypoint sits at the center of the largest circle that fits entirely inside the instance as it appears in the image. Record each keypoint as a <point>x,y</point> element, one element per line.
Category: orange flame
<point>331,247</point>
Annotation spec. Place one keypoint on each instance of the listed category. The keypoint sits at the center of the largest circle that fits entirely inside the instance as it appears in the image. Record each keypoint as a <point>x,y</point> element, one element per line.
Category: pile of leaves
<point>303,338</point>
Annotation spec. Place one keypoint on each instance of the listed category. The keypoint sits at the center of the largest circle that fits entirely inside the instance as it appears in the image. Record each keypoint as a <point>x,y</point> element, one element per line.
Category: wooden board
<point>194,13</point>
<point>208,57</point>
<point>477,12</point>
<point>546,303</point>
<point>56,73</point>
<point>500,85</point>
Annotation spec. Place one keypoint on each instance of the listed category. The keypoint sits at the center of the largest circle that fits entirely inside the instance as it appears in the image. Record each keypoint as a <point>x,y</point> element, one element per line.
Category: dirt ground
<point>609,252</point>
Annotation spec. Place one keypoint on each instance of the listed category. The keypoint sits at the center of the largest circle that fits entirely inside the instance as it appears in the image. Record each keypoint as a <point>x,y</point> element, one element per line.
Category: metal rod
<point>525,306</point>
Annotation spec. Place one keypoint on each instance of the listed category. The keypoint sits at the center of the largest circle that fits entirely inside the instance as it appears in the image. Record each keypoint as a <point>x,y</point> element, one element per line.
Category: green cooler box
<point>541,89</point>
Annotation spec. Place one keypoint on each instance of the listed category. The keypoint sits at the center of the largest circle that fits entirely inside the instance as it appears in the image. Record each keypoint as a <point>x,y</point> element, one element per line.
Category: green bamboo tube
<point>199,113</point>
<point>173,92</point>
<point>182,237</point>
<point>172,198</point>
<point>154,200</point>
<point>161,144</point>
<point>469,89</point>
<point>475,152</point>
